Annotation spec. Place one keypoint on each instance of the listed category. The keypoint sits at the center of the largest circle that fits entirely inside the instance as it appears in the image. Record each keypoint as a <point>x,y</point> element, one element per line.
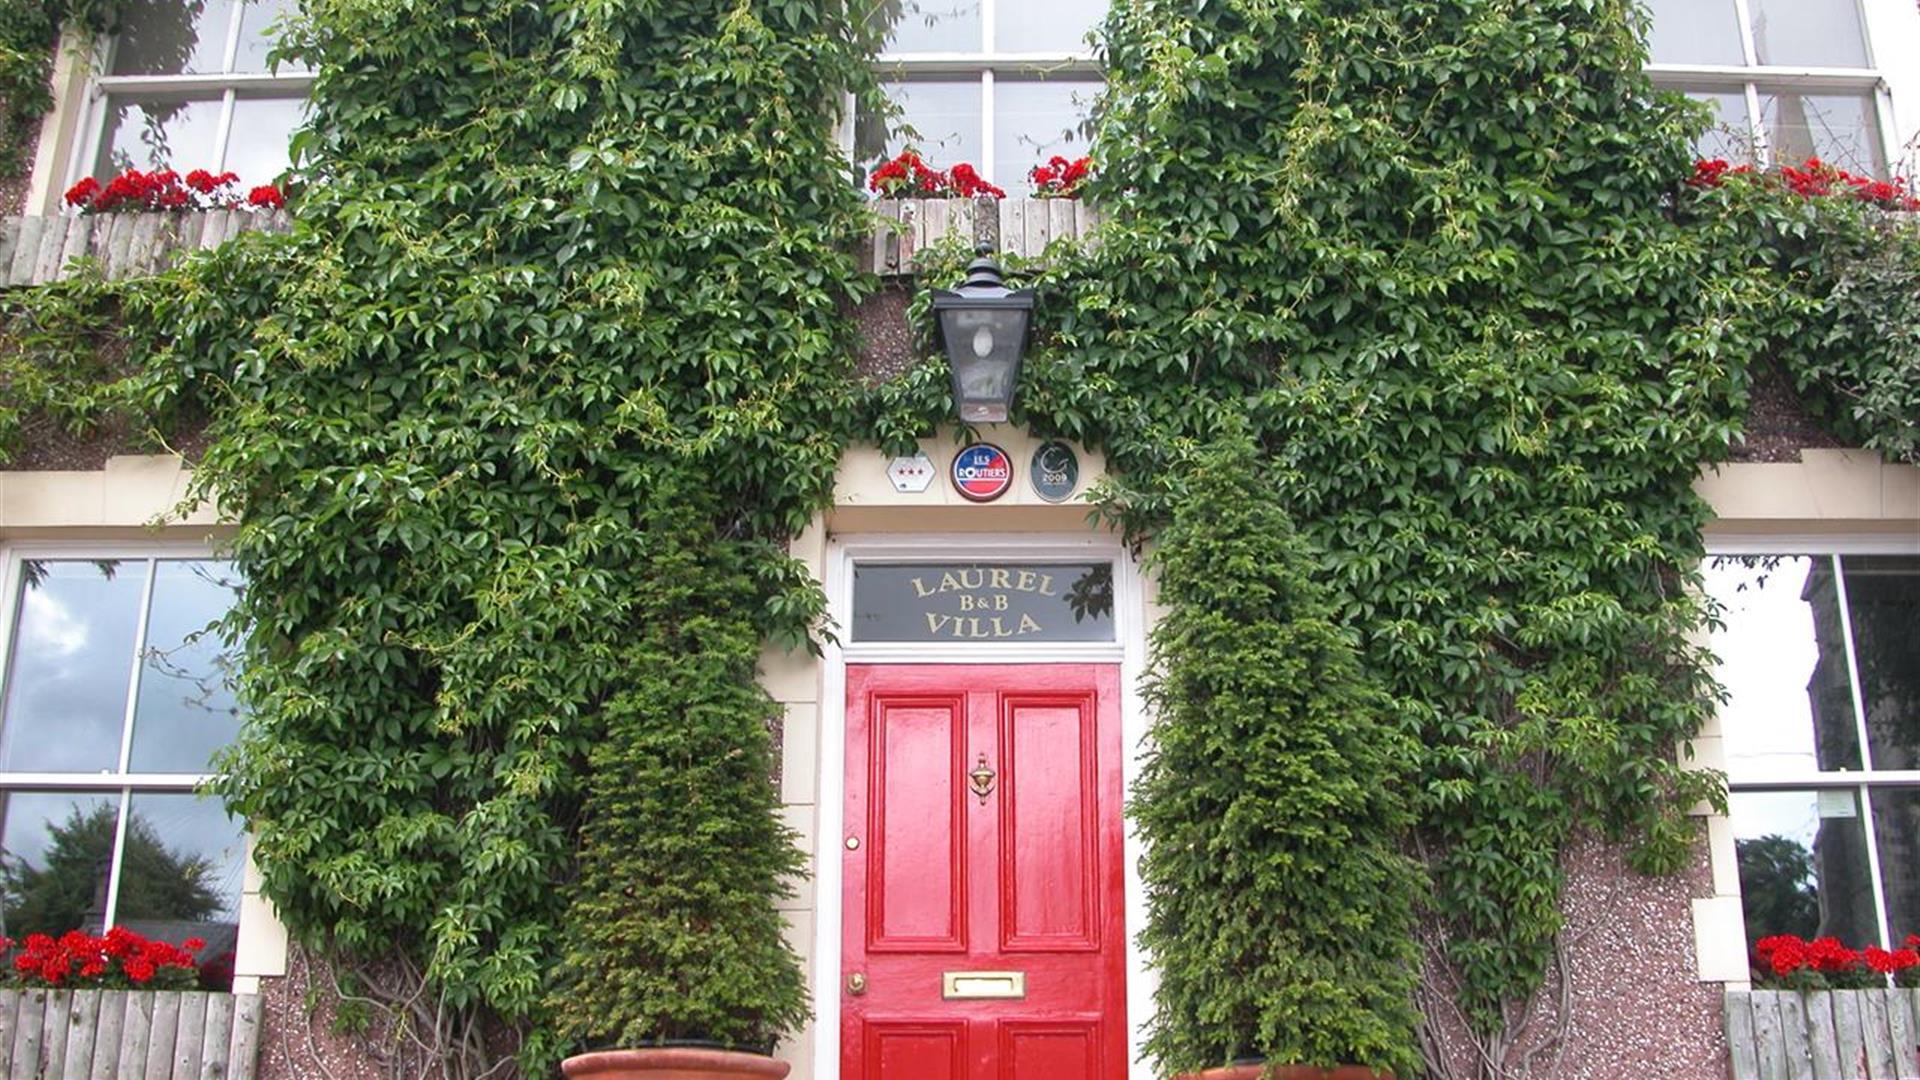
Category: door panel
<point>1033,1050</point>
<point>917,897</point>
<point>935,1050</point>
<point>1015,878</point>
<point>1050,826</point>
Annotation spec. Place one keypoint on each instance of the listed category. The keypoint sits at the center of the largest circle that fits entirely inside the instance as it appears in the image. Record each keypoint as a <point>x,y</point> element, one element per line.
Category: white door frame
<point>1129,650</point>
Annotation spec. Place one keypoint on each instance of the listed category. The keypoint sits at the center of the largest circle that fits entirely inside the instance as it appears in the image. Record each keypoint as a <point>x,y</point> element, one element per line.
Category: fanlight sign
<point>983,601</point>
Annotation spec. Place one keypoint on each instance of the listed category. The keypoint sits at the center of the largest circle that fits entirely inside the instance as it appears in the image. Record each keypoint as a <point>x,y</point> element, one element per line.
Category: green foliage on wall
<point>29,32</point>
<point>1438,259</point>
<point>560,263</point>
<point>569,261</point>
<point>1272,801</point>
<point>1845,277</point>
<point>682,855</point>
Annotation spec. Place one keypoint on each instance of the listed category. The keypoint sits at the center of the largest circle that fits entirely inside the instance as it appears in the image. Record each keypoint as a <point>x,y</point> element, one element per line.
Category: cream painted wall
<point>1827,493</point>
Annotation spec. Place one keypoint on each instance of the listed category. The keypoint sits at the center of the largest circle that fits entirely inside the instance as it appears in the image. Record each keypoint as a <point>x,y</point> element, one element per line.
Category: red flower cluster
<point>1060,178</point>
<point>1709,172</point>
<point>907,176</point>
<point>1788,961</point>
<point>1815,179</point>
<point>165,189</point>
<point>120,959</point>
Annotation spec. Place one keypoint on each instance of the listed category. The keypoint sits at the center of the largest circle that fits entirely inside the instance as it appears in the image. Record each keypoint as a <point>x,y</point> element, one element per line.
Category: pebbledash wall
<point>1648,958</point>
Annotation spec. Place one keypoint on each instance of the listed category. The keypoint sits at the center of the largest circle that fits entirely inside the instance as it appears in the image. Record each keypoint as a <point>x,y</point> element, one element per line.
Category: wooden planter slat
<point>1796,1035</point>
<point>107,1035</point>
<point>1771,1043</point>
<point>1879,1036</point>
<point>216,1041</point>
<point>1740,1044</point>
<point>160,1035</point>
<point>1850,1035</point>
<point>1823,1041</point>
<point>1900,1033</point>
<point>53,1037</point>
<point>244,1054</point>
<point>139,1032</point>
<point>26,249</point>
<point>26,1035</point>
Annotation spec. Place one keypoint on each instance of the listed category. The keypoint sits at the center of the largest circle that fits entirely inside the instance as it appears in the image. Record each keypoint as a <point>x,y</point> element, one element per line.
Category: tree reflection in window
<point>1777,887</point>
<point>67,890</point>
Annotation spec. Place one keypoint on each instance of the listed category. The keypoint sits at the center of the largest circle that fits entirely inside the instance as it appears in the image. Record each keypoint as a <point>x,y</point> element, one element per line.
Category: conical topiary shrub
<point>672,933</point>
<point>1271,804</point>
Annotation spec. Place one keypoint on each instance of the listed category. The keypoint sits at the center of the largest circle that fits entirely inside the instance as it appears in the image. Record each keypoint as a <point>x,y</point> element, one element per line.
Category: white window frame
<point>120,782</point>
<point>103,87</point>
<point>1861,782</point>
<point>985,65</point>
<point>1753,77</point>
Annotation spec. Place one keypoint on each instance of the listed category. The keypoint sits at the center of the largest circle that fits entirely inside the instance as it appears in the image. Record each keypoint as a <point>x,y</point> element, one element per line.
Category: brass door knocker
<point>982,777</point>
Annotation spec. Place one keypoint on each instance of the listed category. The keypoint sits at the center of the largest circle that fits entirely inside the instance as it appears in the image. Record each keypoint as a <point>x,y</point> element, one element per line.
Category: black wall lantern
<point>983,326</point>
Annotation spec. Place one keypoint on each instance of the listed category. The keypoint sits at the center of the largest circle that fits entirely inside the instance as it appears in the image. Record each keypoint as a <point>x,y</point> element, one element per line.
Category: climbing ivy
<point>29,31</point>
<point>1845,282</point>
<point>1271,801</point>
<point>1438,259</point>
<point>1434,259</point>
<point>556,259</point>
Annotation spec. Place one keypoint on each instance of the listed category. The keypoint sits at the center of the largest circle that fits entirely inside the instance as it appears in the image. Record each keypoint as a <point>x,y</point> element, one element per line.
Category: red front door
<point>983,932</point>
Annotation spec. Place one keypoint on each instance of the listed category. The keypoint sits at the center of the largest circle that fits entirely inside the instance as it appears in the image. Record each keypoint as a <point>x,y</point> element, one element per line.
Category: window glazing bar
<point>177,84</point>
<point>43,781</point>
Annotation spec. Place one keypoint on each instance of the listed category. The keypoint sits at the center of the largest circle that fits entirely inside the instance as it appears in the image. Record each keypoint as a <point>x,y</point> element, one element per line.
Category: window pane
<point>922,26</point>
<point>258,31</point>
<point>1731,136</point>
<point>72,655</point>
<point>944,118</point>
<point>1813,33</point>
<point>1803,865</point>
<point>58,853</point>
<point>180,875</point>
<point>1783,664</point>
<point>1056,26</point>
<point>1883,602</point>
<point>168,37</point>
<point>186,709</point>
<point>174,132</point>
<point>1896,826</point>
<point>257,149</point>
<point>1034,121</point>
<point>1696,32</point>
<point>1840,129</point>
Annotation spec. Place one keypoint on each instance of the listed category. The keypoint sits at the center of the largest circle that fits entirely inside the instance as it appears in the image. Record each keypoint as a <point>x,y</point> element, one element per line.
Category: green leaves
<point>515,426</point>
<point>1280,910</point>
<point>1435,260</point>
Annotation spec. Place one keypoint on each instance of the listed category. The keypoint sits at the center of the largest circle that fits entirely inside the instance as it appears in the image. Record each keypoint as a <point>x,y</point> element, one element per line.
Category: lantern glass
<point>984,346</point>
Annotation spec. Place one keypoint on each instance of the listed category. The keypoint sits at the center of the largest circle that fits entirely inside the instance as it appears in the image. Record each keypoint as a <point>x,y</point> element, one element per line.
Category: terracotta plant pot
<point>1288,1072</point>
<point>673,1063</point>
